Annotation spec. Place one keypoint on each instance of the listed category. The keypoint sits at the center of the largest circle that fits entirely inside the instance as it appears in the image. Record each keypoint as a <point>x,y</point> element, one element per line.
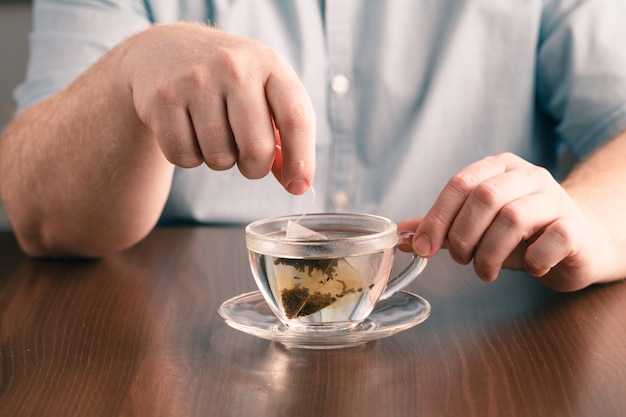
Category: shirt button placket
<point>341,104</point>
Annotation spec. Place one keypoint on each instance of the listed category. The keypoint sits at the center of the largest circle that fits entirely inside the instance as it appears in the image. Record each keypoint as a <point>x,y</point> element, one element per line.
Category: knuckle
<point>456,256</point>
<point>535,267</point>
<point>220,160</point>
<point>255,158</point>
<point>462,183</point>
<point>234,64</point>
<point>164,94</point>
<point>543,174</point>
<point>487,194</point>
<point>155,101</point>
<point>511,216</point>
<point>299,165</point>
<point>185,160</point>
<point>298,116</point>
<point>535,262</point>
<point>486,271</point>
<point>460,245</point>
<point>508,156</point>
<point>557,241</point>
<point>252,173</point>
<point>197,76</point>
<point>435,220</point>
<point>181,155</point>
<point>270,56</point>
<point>503,157</point>
<point>561,233</point>
<point>255,150</point>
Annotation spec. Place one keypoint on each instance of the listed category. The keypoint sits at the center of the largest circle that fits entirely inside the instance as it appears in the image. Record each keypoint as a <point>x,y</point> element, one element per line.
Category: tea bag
<point>308,286</point>
<point>312,285</point>
<point>296,231</point>
<point>303,296</point>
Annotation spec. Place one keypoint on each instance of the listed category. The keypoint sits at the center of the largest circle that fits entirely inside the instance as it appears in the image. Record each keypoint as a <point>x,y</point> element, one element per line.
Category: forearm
<point>598,185</point>
<point>79,173</point>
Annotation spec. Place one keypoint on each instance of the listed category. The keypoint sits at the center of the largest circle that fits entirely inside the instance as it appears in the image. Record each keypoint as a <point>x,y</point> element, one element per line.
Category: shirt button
<point>340,84</point>
<point>340,199</point>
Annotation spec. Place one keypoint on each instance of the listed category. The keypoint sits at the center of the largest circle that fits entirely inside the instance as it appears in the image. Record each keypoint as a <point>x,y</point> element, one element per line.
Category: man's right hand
<point>216,98</point>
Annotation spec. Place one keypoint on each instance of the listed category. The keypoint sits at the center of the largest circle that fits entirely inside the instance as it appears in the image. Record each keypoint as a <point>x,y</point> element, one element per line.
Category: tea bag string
<point>296,231</point>
<point>308,210</point>
<point>312,197</point>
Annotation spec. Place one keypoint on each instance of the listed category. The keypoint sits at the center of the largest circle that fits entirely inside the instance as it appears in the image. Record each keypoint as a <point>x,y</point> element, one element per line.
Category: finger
<point>214,136</point>
<point>251,123</point>
<point>559,241</point>
<point>514,228</point>
<point>408,225</point>
<point>295,121</point>
<point>175,134</point>
<point>433,230</point>
<point>412,224</point>
<point>484,203</point>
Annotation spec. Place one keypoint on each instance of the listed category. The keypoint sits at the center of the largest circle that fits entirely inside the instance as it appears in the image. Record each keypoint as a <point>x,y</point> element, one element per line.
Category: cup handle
<point>415,267</point>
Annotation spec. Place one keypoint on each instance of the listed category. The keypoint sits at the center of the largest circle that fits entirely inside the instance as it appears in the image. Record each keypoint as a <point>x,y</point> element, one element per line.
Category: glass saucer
<point>250,313</point>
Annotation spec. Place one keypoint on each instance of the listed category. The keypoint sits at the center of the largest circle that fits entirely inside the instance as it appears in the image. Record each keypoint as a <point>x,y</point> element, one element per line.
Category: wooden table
<point>138,334</point>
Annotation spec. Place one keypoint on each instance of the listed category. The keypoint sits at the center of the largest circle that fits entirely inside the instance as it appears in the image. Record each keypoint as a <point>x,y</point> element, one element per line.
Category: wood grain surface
<point>138,334</point>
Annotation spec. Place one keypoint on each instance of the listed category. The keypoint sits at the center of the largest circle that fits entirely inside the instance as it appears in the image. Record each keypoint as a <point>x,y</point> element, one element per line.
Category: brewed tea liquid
<point>327,289</point>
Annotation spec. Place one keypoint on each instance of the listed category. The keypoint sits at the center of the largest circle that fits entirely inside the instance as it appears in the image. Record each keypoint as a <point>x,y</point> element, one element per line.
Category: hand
<point>503,212</point>
<point>223,100</point>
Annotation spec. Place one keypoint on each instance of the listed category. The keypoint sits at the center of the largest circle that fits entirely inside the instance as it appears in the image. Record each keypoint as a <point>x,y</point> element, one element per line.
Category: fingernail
<point>422,245</point>
<point>297,187</point>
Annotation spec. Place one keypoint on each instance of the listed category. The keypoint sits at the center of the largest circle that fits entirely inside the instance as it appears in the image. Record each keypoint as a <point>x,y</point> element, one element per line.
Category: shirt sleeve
<point>69,36</point>
<point>581,67</point>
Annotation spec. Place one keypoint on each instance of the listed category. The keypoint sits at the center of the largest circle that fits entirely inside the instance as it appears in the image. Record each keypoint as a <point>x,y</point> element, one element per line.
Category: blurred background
<point>15,24</point>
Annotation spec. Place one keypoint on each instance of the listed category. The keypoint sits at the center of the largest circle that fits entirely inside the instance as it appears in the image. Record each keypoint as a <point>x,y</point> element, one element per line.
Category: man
<point>388,100</point>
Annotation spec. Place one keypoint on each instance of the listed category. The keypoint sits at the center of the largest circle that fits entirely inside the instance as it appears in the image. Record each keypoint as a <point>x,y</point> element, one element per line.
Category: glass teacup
<point>332,279</point>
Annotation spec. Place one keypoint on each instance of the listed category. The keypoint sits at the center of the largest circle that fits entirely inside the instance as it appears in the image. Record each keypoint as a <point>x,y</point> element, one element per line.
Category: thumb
<point>408,225</point>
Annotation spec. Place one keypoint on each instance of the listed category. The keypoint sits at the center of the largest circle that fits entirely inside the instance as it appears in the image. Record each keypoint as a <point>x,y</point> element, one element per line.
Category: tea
<point>326,290</point>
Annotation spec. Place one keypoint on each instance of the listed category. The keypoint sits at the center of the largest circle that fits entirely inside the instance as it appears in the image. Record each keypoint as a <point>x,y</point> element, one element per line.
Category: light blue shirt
<point>406,92</point>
